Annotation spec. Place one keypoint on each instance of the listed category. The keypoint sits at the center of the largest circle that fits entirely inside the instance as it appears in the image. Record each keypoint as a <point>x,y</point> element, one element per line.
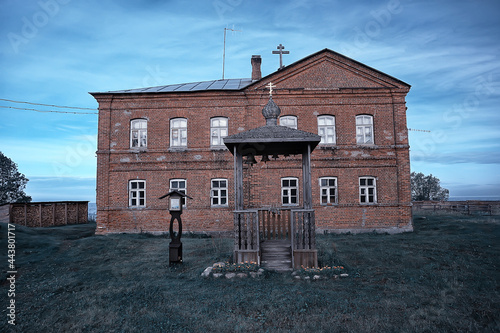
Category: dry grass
<point>444,277</point>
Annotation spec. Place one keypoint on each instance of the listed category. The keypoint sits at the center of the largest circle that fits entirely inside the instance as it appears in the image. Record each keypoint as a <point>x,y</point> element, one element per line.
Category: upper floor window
<point>328,190</point>
<point>218,192</point>
<point>178,132</point>
<point>290,191</point>
<point>326,129</point>
<point>218,131</point>
<point>179,185</point>
<point>138,133</point>
<point>367,190</point>
<point>288,121</point>
<point>137,193</point>
<point>364,129</point>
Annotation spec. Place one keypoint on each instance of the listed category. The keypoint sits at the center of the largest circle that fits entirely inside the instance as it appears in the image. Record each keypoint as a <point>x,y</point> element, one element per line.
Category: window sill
<point>138,149</point>
<point>177,149</point>
<point>327,146</point>
<point>220,206</point>
<point>219,148</point>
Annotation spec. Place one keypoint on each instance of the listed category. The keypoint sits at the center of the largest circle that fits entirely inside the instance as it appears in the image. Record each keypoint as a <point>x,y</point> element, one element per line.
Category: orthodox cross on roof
<point>270,86</point>
<point>281,52</point>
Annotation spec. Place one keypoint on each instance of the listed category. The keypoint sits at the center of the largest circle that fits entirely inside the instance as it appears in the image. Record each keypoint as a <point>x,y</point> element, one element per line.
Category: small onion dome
<point>271,112</point>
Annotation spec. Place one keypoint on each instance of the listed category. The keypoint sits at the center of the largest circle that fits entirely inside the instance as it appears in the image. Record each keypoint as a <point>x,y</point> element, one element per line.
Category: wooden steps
<point>276,255</point>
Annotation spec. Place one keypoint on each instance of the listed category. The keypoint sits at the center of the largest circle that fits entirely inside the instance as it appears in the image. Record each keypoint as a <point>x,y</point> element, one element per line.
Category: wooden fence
<point>468,207</point>
<point>45,214</point>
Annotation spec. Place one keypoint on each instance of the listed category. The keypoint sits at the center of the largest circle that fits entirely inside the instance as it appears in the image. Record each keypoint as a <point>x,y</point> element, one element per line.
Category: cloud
<point>71,156</point>
<point>484,157</point>
<point>473,191</point>
<point>68,188</point>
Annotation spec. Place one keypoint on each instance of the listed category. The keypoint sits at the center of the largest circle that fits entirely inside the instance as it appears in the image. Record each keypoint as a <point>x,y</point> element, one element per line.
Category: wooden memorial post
<point>175,208</point>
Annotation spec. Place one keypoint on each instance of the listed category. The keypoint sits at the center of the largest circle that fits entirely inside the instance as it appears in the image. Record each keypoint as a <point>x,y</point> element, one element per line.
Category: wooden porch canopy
<point>267,141</point>
<point>272,140</point>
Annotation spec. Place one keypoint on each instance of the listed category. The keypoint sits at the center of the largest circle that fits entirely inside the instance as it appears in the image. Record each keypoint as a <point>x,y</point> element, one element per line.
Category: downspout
<point>395,147</point>
<point>109,161</point>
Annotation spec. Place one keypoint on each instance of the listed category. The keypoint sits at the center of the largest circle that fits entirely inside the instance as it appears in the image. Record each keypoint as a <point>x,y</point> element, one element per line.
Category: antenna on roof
<point>224,53</point>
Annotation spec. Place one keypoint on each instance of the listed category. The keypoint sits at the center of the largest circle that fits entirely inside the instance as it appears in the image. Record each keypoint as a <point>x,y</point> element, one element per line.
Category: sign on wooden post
<point>175,208</point>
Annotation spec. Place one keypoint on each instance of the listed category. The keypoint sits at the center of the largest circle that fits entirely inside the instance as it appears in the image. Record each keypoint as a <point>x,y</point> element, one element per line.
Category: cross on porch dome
<point>270,86</point>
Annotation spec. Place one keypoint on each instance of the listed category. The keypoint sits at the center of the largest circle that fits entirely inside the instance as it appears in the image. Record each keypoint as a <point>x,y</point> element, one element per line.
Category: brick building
<point>152,140</point>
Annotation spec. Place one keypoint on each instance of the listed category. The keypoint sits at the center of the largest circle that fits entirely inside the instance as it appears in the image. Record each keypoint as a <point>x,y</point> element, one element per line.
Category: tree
<point>12,182</point>
<point>425,188</point>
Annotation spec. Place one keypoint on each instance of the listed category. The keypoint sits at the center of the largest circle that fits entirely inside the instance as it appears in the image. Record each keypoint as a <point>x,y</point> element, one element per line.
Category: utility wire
<point>54,106</point>
<point>47,111</point>
<point>418,130</point>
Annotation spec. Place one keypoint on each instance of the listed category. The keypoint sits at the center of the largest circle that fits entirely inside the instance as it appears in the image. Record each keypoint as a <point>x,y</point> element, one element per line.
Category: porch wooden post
<point>306,178</point>
<point>238,180</point>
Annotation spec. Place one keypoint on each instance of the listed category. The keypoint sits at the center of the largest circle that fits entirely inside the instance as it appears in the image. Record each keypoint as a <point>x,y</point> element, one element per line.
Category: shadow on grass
<point>443,277</point>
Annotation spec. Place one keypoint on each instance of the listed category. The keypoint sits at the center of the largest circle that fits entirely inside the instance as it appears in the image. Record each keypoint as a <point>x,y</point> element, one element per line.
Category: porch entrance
<point>267,232</point>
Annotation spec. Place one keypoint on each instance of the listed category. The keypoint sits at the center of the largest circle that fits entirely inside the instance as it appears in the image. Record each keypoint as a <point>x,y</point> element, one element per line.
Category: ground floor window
<point>218,193</point>
<point>289,191</point>
<point>328,190</point>
<point>137,193</point>
<point>179,185</point>
<point>367,190</point>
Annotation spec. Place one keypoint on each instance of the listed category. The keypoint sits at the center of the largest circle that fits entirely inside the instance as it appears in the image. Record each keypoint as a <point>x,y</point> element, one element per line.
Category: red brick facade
<point>325,83</point>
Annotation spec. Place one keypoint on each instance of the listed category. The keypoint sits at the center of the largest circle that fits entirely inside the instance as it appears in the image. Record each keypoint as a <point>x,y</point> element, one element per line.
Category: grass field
<point>444,277</point>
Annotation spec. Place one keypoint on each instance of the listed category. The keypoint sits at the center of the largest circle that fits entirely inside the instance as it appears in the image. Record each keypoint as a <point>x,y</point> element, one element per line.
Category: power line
<point>418,130</point>
<point>47,111</point>
<point>54,106</point>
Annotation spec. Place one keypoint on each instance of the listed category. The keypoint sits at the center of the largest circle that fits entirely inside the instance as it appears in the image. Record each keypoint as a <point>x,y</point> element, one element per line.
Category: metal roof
<point>227,84</point>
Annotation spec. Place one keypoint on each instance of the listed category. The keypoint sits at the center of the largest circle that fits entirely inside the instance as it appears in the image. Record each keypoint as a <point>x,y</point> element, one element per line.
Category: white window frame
<point>217,131</point>
<point>326,129</point>
<point>367,190</point>
<point>138,128</point>
<point>178,133</point>
<point>287,191</point>
<point>326,187</point>
<point>364,130</point>
<point>179,188</point>
<point>134,193</point>
<point>219,193</point>
<point>289,121</point>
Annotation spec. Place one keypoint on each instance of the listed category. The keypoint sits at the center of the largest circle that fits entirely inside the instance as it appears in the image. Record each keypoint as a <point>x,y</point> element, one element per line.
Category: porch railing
<point>246,236</point>
<point>274,223</point>
<point>303,224</point>
<point>255,225</point>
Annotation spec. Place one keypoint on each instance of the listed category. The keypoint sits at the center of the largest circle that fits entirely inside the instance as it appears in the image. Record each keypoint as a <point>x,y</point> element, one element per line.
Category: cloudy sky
<point>56,51</point>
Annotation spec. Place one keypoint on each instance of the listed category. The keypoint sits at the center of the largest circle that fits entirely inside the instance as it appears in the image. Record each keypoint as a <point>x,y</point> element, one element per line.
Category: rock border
<point>316,277</point>
<point>209,273</point>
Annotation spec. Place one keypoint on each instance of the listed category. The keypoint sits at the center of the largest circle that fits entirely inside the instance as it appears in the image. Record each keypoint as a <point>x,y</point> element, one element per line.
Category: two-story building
<point>153,140</point>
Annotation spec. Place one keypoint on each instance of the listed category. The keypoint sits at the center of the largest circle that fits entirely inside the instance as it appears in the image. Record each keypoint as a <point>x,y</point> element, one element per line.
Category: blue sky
<point>56,51</point>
